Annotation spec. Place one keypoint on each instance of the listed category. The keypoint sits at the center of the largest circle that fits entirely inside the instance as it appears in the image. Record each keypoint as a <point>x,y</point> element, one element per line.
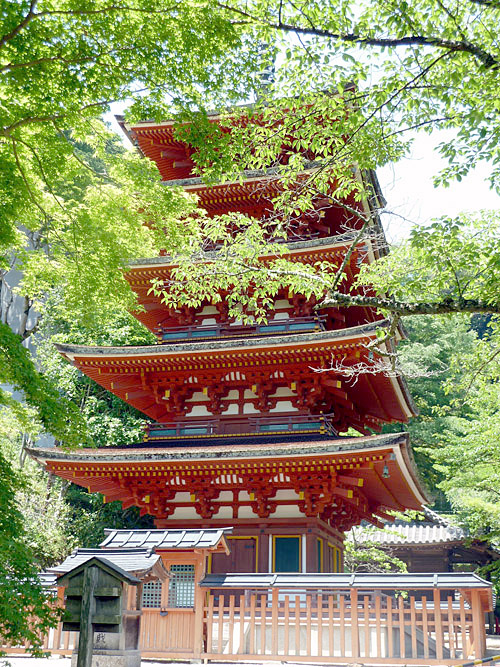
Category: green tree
<point>363,553</point>
<point>39,499</point>
<point>428,359</point>
<point>20,588</point>
<point>469,456</point>
<point>72,217</point>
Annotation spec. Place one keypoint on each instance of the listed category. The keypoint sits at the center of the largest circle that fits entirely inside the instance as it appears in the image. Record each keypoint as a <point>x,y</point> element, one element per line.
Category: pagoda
<point>245,431</point>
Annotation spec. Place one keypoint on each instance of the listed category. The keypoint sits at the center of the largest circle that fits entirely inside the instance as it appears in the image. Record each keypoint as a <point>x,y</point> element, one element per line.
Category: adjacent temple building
<point>245,431</point>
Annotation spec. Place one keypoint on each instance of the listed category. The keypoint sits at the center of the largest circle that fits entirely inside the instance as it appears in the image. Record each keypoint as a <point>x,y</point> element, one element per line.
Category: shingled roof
<point>435,529</point>
<point>139,561</point>
<point>164,539</point>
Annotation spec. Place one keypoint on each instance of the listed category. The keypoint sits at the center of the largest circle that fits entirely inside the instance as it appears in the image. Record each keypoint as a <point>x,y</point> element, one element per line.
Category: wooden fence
<point>321,622</point>
<point>343,626</point>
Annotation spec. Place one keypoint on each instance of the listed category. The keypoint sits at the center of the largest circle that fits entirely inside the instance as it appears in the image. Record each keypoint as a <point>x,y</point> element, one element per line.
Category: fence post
<point>478,627</point>
<point>354,623</point>
<point>438,624</point>
<point>199,608</point>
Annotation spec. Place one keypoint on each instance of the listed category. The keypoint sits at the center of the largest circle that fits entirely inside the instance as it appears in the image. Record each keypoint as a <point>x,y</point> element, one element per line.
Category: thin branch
<point>479,370</point>
<point>42,172</point>
<point>450,46</point>
<point>104,176</point>
<point>67,61</point>
<point>26,182</point>
<point>29,17</point>
<point>105,10</point>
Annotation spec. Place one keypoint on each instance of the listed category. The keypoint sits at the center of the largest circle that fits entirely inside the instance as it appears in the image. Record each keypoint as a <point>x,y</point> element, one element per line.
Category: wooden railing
<point>328,623</point>
<point>56,641</point>
<point>343,626</point>
<point>199,332</point>
<point>275,424</point>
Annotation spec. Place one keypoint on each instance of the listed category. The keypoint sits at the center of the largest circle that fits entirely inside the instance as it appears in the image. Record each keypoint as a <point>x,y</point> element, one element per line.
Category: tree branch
<point>353,38</point>
<point>404,308</point>
<point>29,17</point>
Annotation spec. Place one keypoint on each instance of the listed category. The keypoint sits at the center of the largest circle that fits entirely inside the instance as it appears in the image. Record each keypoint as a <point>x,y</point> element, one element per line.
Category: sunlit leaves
<point>21,594</point>
<point>455,259</point>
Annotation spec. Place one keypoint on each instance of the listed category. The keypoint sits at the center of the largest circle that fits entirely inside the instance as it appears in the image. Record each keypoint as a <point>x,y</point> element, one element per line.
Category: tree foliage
<point>20,588</point>
<point>363,553</point>
<point>469,458</point>
<point>76,208</point>
<point>57,415</point>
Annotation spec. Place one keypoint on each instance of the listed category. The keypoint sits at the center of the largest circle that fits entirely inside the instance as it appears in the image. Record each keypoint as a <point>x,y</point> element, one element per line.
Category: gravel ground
<point>61,661</point>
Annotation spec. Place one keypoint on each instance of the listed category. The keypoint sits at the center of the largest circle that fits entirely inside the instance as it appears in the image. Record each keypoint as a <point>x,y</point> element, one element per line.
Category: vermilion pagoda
<point>246,430</point>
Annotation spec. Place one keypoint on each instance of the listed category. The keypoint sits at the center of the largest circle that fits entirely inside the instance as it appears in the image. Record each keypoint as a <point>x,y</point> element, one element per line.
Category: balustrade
<point>223,330</point>
<point>275,424</point>
<point>327,618</point>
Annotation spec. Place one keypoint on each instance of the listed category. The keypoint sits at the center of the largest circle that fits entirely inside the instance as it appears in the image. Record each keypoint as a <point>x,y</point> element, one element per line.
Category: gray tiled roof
<point>130,560</point>
<point>164,539</point>
<point>338,239</point>
<point>246,174</point>
<point>157,451</point>
<point>394,580</point>
<point>222,344</point>
<point>436,529</point>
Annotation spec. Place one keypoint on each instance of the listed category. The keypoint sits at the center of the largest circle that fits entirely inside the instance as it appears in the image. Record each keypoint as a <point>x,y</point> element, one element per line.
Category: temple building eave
<point>262,343</point>
<point>314,370</point>
<point>363,476</point>
<point>336,242</point>
<point>170,452</point>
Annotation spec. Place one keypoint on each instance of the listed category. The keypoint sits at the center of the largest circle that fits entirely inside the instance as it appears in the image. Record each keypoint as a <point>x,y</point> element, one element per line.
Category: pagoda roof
<point>339,241</point>
<point>248,175</point>
<point>141,272</point>
<point>219,345</point>
<point>273,446</point>
<point>373,473</point>
<point>140,375</point>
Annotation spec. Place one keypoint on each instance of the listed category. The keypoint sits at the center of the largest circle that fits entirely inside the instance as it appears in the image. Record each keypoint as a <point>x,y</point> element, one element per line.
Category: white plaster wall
<point>199,411</point>
<point>283,406</point>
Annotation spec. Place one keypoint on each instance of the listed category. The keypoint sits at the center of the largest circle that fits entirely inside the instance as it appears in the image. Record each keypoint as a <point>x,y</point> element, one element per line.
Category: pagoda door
<point>243,556</point>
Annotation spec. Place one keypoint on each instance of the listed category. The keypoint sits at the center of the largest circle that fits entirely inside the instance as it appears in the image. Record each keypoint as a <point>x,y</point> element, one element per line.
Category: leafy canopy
<point>20,588</point>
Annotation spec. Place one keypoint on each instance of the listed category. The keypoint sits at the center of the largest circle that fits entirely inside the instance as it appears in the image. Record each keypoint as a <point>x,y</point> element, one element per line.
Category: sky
<point>408,187</point>
<point>410,193</point>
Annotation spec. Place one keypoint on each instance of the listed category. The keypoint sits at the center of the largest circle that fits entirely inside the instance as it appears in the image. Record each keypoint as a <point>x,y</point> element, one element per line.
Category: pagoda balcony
<point>224,330</point>
<point>243,427</point>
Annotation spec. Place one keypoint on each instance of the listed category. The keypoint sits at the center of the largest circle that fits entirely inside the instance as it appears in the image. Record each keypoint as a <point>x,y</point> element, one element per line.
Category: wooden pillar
<point>354,623</point>
<point>199,603</point>
<point>311,551</point>
<point>478,628</point>
<point>438,623</point>
<point>86,641</point>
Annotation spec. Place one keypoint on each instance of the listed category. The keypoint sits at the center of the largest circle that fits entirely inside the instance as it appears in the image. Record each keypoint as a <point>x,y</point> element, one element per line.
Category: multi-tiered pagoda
<point>245,431</point>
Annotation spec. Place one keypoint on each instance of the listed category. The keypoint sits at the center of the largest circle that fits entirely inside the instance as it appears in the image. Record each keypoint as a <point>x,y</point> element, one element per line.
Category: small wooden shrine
<point>245,431</point>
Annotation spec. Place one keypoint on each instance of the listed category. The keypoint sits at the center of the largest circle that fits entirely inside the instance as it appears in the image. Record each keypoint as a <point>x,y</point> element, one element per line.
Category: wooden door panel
<point>243,556</point>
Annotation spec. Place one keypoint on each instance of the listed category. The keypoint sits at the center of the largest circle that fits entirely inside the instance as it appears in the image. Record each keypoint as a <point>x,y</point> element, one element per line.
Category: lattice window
<point>181,586</point>
<point>151,594</point>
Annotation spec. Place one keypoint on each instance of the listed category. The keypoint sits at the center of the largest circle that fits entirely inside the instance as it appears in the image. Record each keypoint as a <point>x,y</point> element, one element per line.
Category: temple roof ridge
<point>337,239</point>
<point>270,448</point>
<point>223,344</point>
<point>246,174</point>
